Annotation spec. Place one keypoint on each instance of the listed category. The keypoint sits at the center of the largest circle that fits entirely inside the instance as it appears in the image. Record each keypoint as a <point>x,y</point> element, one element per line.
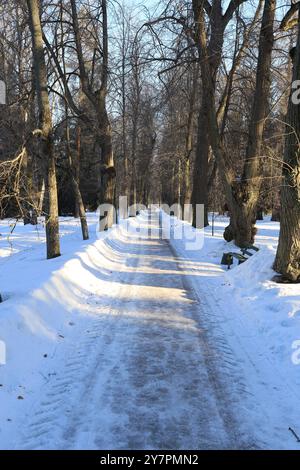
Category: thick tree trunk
<point>242,226</point>
<point>187,193</point>
<point>287,260</point>
<point>41,201</point>
<point>47,149</point>
<point>218,23</point>
<point>52,221</point>
<point>108,172</point>
<point>132,195</point>
<point>29,199</point>
<point>125,185</point>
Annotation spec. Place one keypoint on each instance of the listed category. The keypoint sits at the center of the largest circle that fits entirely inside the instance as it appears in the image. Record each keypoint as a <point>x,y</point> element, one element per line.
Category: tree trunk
<point>242,226</point>
<point>275,214</point>
<point>76,166</point>
<point>77,193</point>
<point>108,172</point>
<point>47,149</point>
<point>260,214</point>
<point>186,198</point>
<point>214,56</point>
<point>80,205</point>
<point>103,131</point>
<point>28,192</point>
<point>187,193</point>
<point>28,203</point>
<point>200,175</point>
<point>287,260</point>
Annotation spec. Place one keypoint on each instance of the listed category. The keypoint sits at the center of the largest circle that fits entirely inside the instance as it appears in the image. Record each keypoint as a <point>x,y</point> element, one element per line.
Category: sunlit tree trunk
<point>46,131</point>
<point>287,260</point>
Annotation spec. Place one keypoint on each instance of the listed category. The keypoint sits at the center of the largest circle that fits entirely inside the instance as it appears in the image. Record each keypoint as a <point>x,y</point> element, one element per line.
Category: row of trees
<point>242,126</point>
<point>196,102</point>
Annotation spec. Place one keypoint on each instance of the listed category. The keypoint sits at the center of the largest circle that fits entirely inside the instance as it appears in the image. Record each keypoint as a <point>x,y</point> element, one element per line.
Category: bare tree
<point>242,192</point>
<point>214,48</point>
<point>98,101</point>
<point>245,190</point>
<point>45,133</point>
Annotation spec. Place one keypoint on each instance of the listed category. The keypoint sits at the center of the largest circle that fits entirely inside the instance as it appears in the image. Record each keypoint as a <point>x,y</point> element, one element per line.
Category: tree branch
<point>207,7</point>
<point>62,76</point>
<point>288,20</point>
<point>232,7</point>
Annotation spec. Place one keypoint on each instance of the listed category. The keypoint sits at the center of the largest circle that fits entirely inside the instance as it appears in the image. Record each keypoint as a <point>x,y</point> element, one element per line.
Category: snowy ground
<point>130,342</point>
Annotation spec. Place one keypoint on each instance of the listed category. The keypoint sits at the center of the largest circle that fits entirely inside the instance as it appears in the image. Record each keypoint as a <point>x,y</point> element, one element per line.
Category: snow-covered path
<point>146,372</point>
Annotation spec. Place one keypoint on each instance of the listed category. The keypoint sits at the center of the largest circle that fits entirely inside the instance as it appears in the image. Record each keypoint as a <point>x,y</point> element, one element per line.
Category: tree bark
<point>287,260</point>
<point>46,131</point>
<point>200,175</point>
<point>76,166</point>
<point>187,193</point>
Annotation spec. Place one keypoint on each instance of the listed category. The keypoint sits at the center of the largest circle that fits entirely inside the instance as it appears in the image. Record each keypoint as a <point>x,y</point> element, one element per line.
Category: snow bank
<point>46,305</point>
<point>261,319</point>
<point>270,310</point>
